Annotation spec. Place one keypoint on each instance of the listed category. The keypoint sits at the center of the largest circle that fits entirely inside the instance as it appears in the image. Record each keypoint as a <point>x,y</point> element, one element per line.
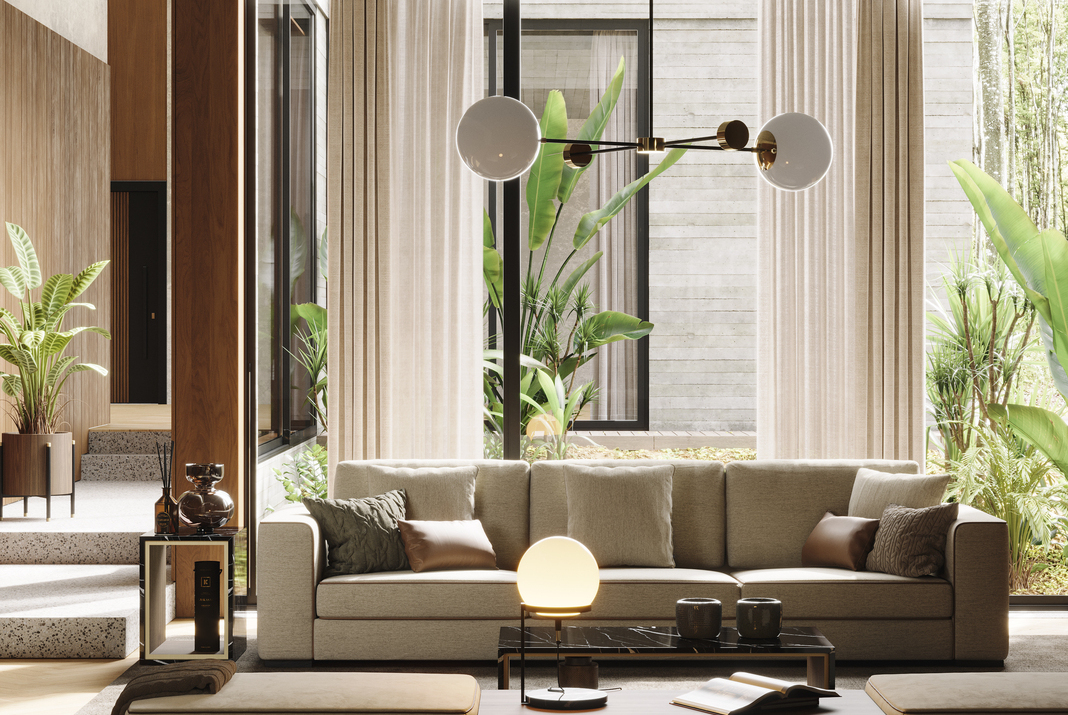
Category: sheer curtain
<point>404,218</point>
<point>614,278</point>
<point>807,385</point>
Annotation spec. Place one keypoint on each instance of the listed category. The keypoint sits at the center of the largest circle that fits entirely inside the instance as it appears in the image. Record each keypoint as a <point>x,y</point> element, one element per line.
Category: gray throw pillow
<point>361,534</point>
<point>874,491</point>
<point>912,542</point>
<point>621,514</point>
<point>434,494</point>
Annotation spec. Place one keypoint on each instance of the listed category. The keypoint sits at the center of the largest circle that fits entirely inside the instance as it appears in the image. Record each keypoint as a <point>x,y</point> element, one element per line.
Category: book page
<point>762,681</point>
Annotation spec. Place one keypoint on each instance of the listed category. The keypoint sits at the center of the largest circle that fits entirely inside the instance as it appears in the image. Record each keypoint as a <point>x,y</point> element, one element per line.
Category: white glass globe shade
<point>803,151</point>
<point>498,138</point>
<point>557,573</point>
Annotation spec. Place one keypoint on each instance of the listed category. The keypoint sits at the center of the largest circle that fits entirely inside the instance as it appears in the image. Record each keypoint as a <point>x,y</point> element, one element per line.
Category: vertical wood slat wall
<point>55,183</point>
<point>120,285</point>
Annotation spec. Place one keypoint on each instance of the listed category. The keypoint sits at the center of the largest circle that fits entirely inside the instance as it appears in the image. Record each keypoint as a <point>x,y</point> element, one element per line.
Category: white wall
<point>83,22</point>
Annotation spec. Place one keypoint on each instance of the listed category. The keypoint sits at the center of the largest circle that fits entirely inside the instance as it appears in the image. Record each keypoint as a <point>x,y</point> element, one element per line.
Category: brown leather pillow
<point>440,545</point>
<point>840,542</point>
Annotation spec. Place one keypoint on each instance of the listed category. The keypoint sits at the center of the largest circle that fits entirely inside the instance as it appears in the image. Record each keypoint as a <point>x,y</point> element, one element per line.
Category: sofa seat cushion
<point>839,593</point>
<point>639,593</point>
<point>989,693</point>
<point>428,595</point>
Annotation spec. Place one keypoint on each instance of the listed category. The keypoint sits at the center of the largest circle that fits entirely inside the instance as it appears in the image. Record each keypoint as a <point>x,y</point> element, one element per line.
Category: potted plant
<point>35,347</point>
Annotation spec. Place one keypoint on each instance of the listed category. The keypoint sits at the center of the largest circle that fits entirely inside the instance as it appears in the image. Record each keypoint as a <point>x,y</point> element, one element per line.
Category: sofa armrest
<point>977,564</point>
<point>289,565</point>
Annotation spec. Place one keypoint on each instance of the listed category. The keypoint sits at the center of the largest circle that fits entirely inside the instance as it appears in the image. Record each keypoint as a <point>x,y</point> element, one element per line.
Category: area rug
<point>1026,653</point>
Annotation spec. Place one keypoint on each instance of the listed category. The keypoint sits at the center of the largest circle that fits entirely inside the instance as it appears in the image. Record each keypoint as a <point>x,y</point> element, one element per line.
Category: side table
<point>155,643</point>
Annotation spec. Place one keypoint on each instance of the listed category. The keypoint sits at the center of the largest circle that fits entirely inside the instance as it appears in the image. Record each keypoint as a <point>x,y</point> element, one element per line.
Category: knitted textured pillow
<point>361,534</point>
<point>912,542</point>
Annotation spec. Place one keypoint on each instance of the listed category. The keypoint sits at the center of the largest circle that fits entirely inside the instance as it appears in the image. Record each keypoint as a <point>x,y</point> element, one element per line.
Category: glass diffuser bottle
<point>166,514</point>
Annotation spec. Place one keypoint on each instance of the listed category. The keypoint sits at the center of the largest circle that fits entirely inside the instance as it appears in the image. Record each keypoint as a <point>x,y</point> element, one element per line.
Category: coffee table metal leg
<point>821,670</point>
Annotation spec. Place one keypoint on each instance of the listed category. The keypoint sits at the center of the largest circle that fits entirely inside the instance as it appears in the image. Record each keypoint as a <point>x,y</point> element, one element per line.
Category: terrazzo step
<point>120,468</point>
<point>140,442</point>
<point>70,611</point>
<point>109,519</point>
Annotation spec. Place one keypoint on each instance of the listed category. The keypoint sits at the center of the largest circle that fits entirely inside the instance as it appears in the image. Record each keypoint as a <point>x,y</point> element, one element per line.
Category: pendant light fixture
<point>499,141</point>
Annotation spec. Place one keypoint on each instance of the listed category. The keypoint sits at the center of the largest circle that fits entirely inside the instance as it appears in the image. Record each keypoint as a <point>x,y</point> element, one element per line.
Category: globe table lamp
<point>557,578</point>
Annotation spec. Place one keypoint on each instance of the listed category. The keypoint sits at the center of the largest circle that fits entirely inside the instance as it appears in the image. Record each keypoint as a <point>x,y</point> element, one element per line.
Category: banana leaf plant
<point>1038,261</point>
<point>36,340</point>
<point>561,327</point>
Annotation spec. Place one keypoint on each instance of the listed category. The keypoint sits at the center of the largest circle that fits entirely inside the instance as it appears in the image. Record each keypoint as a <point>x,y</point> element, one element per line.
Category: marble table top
<point>659,639</point>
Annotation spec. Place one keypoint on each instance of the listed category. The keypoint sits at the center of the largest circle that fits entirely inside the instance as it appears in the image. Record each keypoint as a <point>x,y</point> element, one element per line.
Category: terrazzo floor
<point>98,507</point>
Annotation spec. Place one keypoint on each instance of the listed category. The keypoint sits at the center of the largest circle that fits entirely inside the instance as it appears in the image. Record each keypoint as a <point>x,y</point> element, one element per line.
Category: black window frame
<point>287,437</point>
<point>493,29</point>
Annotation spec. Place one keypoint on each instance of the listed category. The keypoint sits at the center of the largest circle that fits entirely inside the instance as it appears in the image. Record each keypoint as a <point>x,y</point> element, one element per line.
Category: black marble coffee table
<point>664,642</point>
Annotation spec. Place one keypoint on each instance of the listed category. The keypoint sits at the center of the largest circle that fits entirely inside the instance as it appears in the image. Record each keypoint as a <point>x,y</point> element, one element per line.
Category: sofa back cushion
<point>697,504</point>
<point>502,501</point>
<point>773,505</point>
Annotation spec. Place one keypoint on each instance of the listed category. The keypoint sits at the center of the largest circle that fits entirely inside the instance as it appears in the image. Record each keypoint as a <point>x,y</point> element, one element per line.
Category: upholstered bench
<point>987,693</point>
<point>320,693</point>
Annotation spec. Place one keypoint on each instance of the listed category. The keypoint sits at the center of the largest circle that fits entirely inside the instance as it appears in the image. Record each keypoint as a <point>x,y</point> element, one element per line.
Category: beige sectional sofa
<point>737,532</point>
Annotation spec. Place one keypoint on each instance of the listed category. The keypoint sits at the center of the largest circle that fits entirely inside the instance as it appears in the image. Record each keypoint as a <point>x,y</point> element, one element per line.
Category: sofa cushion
<point>432,494</point>
<point>773,505</point>
<point>841,542</point>
<point>812,593</point>
<point>502,497</point>
<point>622,514</point>
<point>361,534</point>
<point>874,491</point>
<point>425,595</point>
<point>912,542</point>
<point>696,507</point>
<point>992,693</point>
<point>440,545</point>
<point>632,594</point>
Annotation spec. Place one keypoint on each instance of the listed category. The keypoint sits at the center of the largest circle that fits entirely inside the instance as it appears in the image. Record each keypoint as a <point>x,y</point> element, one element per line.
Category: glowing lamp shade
<point>557,573</point>
<point>802,151</point>
<point>498,138</point>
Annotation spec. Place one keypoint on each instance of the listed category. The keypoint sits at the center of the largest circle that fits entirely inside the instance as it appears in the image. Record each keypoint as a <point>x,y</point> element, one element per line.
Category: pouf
<point>987,693</point>
<point>321,693</point>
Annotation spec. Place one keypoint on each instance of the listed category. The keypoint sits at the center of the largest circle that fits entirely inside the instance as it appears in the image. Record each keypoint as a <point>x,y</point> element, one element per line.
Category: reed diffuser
<point>166,507</point>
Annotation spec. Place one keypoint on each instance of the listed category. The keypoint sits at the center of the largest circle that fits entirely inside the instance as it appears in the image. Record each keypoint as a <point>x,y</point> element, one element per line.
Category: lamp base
<point>567,699</point>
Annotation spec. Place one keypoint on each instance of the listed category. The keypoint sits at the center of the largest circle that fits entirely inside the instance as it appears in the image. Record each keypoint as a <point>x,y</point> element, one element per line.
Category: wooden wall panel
<point>208,338</point>
<point>54,182</point>
<point>120,275</point>
<point>137,53</point>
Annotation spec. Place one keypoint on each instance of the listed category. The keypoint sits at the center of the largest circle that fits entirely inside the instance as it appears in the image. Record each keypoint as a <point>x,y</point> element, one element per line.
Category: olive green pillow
<point>361,534</point>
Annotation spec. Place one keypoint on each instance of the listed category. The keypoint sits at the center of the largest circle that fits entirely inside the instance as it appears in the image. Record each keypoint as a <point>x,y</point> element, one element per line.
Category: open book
<point>745,692</point>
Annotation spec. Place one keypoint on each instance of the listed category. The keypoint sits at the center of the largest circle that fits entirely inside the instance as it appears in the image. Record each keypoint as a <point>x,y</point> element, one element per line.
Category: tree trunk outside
<point>988,41</point>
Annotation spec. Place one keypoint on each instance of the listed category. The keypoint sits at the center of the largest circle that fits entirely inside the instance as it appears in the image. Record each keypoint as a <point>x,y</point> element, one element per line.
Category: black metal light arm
<point>627,145</point>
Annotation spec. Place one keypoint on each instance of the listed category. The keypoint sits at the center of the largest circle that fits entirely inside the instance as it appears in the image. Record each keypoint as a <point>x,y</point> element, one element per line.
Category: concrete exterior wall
<point>83,22</point>
<point>702,232</point>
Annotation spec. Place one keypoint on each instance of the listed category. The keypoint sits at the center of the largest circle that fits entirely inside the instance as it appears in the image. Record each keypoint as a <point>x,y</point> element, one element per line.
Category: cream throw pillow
<point>432,494</point>
<point>874,491</point>
<point>621,514</point>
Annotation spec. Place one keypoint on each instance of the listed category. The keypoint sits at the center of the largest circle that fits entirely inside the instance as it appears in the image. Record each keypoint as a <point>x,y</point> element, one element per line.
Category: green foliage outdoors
<point>305,476</point>
<point>1011,480</point>
<point>36,340</point>
<point>311,355</point>
<point>561,327</point>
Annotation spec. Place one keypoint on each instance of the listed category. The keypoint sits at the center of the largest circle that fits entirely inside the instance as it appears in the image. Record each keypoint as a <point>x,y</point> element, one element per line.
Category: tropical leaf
<point>592,222</point>
<point>17,356</point>
<point>11,384</point>
<point>85,279</point>
<point>1011,230</point>
<point>488,238</point>
<point>32,338</point>
<point>31,269</point>
<point>544,179</point>
<point>592,130</point>
<point>85,367</point>
<point>55,343</point>
<point>610,326</point>
<point>14,280</point>
<point>1053,359</point>
<point>576,275</point>
<point>58,369</point>
<point>493,275</point>
<point>314,315</point>
<point>524,361</point>
<point>55,292</point>
<point>1043,429</point>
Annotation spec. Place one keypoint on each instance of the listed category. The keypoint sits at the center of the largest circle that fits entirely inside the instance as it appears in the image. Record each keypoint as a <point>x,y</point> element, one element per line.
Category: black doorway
<point>139,291</point>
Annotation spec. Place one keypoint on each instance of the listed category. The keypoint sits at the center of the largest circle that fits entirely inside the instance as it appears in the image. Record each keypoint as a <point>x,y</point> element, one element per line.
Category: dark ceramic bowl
<point>759,618</point>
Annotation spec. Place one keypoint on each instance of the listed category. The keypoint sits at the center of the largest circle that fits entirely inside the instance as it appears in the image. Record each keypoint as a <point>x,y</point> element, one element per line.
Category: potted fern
<point>35,347</point>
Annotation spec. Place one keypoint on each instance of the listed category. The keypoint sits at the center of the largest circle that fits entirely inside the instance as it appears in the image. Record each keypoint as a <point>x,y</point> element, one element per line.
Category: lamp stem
<point>651,132</point>
<point>522,655</point>
<point>558,623</point>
